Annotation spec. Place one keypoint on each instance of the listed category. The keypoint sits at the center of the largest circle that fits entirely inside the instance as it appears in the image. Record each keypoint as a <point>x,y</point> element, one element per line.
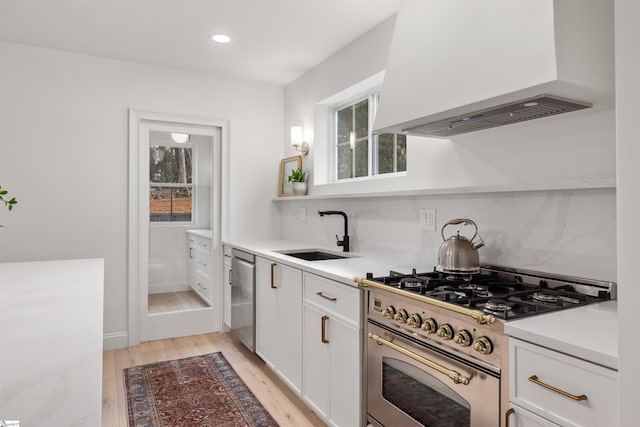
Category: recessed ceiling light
<point>220,38</point>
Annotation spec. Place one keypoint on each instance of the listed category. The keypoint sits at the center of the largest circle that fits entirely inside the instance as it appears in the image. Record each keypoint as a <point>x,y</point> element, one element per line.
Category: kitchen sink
<point>312,255</point>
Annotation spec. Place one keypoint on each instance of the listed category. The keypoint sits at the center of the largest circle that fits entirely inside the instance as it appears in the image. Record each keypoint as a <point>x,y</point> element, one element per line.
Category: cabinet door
<point>191,260</point>
<point>345,386</point>
<point>523,418</point>
<point>226,296</point>
<point>288,283</point>
<point>266,312</point>
<point>315,354</point>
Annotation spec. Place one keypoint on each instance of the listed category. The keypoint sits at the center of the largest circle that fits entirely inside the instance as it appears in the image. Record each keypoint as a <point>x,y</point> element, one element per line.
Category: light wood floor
<point>174,301</point>
<point>277,398</point>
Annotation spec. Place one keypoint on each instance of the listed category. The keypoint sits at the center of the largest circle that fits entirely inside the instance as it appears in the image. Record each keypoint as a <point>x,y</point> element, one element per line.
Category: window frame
<point>193,185</point>
<point>373,97</point>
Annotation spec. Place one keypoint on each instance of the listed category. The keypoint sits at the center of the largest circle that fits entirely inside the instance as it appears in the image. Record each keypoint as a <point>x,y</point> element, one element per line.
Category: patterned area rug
<point>200,391</point>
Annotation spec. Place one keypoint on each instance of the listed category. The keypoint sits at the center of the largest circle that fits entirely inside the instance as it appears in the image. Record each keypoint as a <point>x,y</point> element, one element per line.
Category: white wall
<point>64,142</point>
<point>628,151</point>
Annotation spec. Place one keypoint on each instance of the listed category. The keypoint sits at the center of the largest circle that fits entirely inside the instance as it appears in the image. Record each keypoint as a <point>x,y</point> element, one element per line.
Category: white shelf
<point>555,186</point>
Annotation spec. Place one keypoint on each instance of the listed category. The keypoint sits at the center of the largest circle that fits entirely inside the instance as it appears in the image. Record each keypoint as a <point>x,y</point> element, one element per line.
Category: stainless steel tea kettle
<point>457,254</point>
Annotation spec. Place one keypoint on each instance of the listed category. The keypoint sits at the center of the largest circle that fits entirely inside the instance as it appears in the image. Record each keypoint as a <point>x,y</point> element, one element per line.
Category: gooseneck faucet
<point>345,239</point>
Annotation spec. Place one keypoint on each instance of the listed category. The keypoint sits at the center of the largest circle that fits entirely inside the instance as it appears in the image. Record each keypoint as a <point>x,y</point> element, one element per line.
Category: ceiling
<point>273,41</point>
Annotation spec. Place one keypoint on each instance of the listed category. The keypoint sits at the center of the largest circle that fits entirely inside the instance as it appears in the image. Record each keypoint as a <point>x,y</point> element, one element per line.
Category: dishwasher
<point>243,287</point>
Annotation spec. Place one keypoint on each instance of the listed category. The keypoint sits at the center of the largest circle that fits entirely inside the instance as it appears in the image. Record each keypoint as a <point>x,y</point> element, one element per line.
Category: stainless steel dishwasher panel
<point>243,287</point>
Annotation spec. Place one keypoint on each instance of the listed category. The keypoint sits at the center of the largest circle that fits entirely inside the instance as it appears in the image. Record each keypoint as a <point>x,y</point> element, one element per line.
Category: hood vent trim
<point>514,112</point>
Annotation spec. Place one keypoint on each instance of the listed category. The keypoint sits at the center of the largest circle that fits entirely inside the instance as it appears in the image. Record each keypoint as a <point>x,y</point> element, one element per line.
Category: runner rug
<point>202,391</point>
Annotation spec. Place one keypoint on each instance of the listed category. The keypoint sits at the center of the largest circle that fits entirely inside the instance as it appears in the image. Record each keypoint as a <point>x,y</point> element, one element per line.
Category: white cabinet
<point>226,289</point>
<point>279,320</point>
<point>200,266</point>
<point>331,380</point>
<point>548,387</point>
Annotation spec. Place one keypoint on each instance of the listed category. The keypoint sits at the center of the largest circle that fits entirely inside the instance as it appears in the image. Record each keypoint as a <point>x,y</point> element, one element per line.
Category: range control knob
<point>483,345</point>
<point>389,311</point>
<point>445,332</point>
<point>429,325</point>
<point>401,316</point>
<point>463,338</point>
<point>414,320</point>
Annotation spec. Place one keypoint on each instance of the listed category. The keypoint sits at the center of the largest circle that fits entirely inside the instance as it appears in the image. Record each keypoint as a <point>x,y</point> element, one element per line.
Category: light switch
<point>428,219</point>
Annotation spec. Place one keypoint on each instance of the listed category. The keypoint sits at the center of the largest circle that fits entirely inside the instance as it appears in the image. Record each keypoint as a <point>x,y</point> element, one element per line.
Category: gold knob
<point>463,338</point>
<point>445,332</point>
<point>414,320</point>
<point>483,345</point>
<point>401,315</point>
<point>429,326</point>
<point>389,311</point>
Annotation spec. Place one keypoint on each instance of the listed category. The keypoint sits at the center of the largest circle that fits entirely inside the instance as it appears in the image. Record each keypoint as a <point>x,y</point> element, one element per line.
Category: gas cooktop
<point>504,293</point>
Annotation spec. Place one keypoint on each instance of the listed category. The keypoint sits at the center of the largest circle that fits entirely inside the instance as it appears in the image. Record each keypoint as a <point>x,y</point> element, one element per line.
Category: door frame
<point>136,265</point>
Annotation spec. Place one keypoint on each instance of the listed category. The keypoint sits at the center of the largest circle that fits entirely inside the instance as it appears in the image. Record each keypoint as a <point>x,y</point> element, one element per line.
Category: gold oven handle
<point>506,416</point>
<point>455,376</point>
<point>534,379</point>
<point>478,315</point>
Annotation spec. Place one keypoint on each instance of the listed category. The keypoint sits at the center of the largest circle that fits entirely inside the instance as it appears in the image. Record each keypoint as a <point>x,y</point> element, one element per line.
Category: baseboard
<point>115,340</point>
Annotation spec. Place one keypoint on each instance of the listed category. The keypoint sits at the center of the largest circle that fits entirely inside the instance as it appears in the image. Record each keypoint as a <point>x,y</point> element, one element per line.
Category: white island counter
<point>51,342</point>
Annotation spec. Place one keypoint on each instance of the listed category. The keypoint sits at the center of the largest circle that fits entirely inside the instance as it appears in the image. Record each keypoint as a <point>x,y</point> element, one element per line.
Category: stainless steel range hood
<point>460,66</point>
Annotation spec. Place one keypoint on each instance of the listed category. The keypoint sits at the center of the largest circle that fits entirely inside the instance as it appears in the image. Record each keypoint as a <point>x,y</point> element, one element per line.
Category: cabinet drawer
<point>204,245</point>
<point>337,298</point>
<point>203,285</point>
<point>203,263</point>
<point>227,255</point>
<point>576,377</point>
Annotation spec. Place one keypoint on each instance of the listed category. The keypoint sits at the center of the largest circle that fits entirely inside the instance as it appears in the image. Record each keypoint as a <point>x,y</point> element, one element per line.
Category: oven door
<point>409,384</point>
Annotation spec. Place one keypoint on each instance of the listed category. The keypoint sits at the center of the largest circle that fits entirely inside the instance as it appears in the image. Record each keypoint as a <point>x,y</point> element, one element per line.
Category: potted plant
<point>298,181</point>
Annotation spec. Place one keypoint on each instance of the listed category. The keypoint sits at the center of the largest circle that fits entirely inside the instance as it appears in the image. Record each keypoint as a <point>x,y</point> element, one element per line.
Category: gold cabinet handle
<point>230,273</point>
<point>320,294</point>
<point>454,375</point>
<point>506,416</point>
<point>273,273</point>
<point>478,315</point>
<point>323,322</point>
<point>534,379</point>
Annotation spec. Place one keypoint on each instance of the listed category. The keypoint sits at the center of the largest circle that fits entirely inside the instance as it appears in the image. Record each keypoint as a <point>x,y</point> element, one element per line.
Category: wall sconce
<point>297,142</point>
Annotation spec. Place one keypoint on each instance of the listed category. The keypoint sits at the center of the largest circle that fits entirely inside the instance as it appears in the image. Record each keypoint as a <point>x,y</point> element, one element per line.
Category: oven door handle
<point>454,375</point>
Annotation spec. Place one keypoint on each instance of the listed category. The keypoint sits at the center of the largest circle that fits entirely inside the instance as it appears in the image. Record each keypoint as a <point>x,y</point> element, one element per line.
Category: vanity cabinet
<point>200,266</point>
<point>331,375</point>
<point>549,388</point>
<point>279,320</point>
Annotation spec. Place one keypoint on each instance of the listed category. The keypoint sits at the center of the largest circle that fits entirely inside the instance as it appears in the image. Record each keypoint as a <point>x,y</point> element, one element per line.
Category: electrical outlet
<point>302,214</point>
<point>428,219</point>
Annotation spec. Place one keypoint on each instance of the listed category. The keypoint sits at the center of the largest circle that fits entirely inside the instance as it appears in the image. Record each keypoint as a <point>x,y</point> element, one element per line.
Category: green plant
<point>298,175</point>
<point>8,203</point>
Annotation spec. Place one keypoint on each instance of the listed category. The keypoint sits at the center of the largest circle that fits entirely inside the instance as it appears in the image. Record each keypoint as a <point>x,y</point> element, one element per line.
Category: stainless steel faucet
<point>345,239</point>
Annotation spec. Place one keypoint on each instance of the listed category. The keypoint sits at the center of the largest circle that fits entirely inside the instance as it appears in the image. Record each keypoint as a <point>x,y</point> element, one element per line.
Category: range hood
<point>459,66</point>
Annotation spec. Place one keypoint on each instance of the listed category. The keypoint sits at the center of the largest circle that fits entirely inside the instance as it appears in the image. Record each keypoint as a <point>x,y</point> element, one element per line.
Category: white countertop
<point>201,232</point>
<point>341,270</point>
<point>589,332</point>
<point>51,342</point>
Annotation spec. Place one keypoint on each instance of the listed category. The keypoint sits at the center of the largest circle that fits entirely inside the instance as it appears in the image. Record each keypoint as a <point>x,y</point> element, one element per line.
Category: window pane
<point>345,159</point>
<point>362,119</point>
<point>385,153</point>
<point>170,164</point>
<point>362,157</point>
<point>402,153</point>
<point>170,204</point>
<point>345,124</point>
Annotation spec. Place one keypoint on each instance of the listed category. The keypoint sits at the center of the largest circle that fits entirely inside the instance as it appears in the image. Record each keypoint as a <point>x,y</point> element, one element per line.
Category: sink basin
<point>313,255</point>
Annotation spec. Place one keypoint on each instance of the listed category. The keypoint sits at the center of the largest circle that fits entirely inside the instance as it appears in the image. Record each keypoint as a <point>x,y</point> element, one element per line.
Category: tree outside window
<point>170,183</point>
<point>355,156</point>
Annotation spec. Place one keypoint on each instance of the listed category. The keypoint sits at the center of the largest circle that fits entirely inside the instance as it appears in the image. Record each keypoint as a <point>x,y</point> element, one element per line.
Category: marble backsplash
<point>570,232</point>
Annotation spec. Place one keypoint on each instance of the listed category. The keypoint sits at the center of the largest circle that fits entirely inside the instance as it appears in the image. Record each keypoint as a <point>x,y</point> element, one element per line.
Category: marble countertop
<point>51,342</point>
<point>589,332</point>
<point>357,264</point>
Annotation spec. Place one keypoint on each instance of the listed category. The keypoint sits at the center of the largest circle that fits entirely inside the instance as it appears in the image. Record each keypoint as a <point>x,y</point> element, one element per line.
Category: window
<point>170,183</point>
<point>355,156</point>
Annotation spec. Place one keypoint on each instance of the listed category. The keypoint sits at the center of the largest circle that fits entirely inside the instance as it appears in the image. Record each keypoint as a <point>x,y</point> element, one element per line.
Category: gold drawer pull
<point>273,273</point>
<point>534,379</point>
<point>320,294</point>
<point>506,416</point>
<point>454,375</point>
<point>324,329</point>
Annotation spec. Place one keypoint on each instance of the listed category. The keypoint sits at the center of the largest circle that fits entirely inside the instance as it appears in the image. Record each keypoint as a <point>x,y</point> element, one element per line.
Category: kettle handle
<point>464,221</point>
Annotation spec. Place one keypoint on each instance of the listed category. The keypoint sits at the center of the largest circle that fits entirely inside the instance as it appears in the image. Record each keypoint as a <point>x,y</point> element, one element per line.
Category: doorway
<point>175,165</point>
